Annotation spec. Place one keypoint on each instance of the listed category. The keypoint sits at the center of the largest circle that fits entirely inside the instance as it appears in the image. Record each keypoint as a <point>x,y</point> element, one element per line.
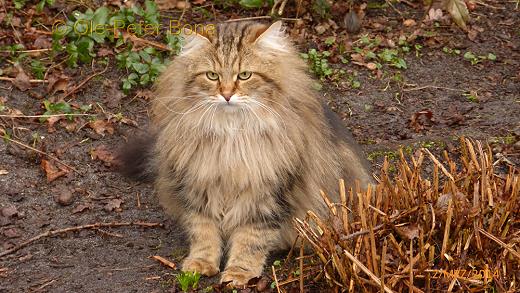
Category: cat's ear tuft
<point>273,38</point>
<point>193,40</point>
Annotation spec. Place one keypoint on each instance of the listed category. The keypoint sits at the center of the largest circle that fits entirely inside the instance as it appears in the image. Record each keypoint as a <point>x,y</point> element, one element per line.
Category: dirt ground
<point>382,114</point>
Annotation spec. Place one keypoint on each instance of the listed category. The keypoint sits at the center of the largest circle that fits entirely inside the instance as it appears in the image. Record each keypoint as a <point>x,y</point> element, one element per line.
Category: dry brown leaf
<point>57,83</point>
<point>409,22</point>
<point>409,232</point>
<point>103,154</point>
<point>3,172</point>
<point>114,205</point>
<point>42,42</point>
<point>51,171</point>
<point>459,12</point>
<point>81,208</point>
<point>22,80</point>
<point>102,126</point>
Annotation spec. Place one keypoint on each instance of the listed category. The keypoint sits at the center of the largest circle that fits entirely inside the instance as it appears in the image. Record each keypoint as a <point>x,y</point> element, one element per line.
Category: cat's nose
<point>227,95</point>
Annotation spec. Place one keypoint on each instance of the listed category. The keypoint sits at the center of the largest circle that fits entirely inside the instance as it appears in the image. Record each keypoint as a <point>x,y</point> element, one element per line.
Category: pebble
<point>65,197</point>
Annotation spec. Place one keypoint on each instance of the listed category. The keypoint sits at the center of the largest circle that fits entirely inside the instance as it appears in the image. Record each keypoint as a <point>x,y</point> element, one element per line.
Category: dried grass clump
<point>457,231</point>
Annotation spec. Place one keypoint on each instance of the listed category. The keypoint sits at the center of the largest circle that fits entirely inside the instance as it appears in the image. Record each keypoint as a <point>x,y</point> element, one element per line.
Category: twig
<point>11,79</point>
<point>275,279</point>
<point>51,233</point>
<point>45,116</point>
<point>26,51</point>
<point>75,89</point>
<point>433,87</point>
<point>42,153</point>
<point>165,262</point>
<point>360,233</point>
<point>500,242</point>
<point>366,270</point>
<point>260,17</point>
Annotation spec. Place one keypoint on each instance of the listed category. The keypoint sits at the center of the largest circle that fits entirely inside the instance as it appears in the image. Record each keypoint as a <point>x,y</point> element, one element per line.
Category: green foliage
<point>19,4</point>
<point>391,57</point>
<point>188,280</point>
<point>62,108</point>
<point>38,69</point>
<point>474,59</point>
<point>42,4</point>
<point>144,67</point>
<point>318,63</point>
<point>321,8</point>
<point>451,51</point>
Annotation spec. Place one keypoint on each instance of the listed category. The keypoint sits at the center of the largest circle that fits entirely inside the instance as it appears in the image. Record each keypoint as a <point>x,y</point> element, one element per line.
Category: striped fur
<point>236,173</point>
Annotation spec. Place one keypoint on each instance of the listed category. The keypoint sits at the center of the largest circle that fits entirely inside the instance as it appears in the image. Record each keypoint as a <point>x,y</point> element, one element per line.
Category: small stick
<point>76,228</point>
<point>500,242</point>
<point>447,228</point>
<point>275,279</point>
<point>165,262</point>
<point>436,162</point>
<point>366,270</point>
<point>84,82</point>
<point>26,51</point>
<point>42,153</point>
<point>45,116</point>
<point>260,17</point>
<point>301,266</point>
<point>11,79</point>
<point>433,87</point>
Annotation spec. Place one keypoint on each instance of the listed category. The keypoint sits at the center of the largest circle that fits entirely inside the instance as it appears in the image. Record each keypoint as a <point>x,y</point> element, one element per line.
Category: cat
<point>241,145</point>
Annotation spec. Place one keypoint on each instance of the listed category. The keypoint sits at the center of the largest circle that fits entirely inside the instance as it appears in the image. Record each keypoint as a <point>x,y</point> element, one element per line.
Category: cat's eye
<point>211,75</point>
<point>245,75</point>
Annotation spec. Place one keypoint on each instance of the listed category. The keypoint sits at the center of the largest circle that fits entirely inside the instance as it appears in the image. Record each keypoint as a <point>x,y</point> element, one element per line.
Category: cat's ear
<point>193,40</point>
<point>272,38</point>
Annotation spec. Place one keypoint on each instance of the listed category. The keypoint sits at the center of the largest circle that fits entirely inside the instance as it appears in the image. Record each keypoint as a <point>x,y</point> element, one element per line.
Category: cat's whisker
<point>194,108</point>
<point>204,114</point>
<point>270,110</point>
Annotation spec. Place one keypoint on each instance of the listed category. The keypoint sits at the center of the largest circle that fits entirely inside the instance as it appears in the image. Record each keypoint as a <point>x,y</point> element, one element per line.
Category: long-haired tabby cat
<point>241,145</point>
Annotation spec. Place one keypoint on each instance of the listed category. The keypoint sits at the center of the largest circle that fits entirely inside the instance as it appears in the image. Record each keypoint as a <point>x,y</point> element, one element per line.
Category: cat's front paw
<point>237,276</point>
<point>200,266</point>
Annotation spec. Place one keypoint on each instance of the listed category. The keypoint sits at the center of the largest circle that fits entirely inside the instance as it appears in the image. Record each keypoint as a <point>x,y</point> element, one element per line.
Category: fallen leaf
<point>4,172</point>
<point>102,126</point>
<point>459,12</point>
<point>435,14</point>
<point>104,52</point>
<point>42,42</point>
<point>409,232</point>
<point>114,205</point>
<point>22,81</point>
<point>103,154</point>
<point>409,22</point>
<point>51,171</point>
<point>81,208</point>
<point>57,83</point>
<point>113,95</point>
<point>421,119</point>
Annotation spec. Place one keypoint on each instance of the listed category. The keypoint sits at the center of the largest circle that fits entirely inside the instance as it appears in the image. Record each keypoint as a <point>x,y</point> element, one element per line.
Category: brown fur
<point>238,172</point>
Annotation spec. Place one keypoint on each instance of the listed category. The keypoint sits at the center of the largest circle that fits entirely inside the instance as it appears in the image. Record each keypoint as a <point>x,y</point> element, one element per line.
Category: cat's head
<point>238,70</point>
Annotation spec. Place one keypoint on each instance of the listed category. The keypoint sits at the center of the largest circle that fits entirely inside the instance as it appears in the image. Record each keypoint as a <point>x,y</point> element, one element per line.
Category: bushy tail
<point>136,156</point>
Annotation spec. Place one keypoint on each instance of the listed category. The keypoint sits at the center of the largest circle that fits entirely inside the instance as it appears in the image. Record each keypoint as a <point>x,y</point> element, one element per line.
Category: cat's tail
<point>135,158</point>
